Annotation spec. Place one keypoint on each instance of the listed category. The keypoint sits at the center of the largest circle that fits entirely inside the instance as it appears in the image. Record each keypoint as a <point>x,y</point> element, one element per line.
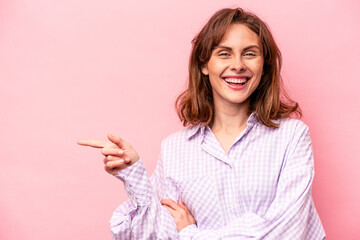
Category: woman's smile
<point>235,66</point>
<point>237,82</point>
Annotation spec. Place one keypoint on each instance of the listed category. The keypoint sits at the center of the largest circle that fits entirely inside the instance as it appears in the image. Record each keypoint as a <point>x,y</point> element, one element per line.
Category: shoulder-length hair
<point>269,101</point>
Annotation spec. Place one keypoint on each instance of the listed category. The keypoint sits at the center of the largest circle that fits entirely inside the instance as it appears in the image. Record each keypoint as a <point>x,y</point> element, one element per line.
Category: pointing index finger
<point>91,143</point>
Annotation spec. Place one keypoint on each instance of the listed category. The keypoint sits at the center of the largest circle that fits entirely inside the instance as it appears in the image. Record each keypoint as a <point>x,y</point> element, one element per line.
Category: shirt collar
<point>192,130</point>
<point>252,119</point>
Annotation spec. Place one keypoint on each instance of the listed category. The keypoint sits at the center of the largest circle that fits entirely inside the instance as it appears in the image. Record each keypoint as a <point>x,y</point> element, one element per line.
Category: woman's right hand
<point>118,153</point>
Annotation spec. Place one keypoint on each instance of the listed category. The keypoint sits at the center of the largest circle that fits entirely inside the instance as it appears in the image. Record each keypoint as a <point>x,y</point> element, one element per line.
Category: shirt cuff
<point>188,232</point>
<point>137,183</point>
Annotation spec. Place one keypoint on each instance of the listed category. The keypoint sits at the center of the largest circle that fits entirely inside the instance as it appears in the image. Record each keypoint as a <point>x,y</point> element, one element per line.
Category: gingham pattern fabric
<point>261,189</point>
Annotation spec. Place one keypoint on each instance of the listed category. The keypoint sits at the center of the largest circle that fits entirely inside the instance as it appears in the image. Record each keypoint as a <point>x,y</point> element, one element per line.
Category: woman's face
<point>235,66</point>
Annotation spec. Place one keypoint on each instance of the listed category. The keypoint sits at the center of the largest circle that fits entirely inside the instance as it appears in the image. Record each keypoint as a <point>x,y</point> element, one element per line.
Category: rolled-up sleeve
<point>142,216</point>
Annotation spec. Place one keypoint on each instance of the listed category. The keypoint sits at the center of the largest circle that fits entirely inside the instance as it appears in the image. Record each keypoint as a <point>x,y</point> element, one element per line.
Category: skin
<point>179,212</point>
<point>119,155</point>
<point>238,54</point>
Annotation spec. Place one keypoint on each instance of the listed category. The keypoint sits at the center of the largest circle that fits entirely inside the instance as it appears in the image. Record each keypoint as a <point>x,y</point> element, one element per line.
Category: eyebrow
<point>229,48</point>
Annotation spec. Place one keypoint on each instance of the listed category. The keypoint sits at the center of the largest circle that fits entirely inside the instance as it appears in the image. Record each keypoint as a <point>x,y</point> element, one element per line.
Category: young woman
<point>242,168</point>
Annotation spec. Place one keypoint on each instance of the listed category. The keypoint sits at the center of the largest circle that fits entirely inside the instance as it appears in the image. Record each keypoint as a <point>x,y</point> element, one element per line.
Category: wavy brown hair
<point>269,101</point>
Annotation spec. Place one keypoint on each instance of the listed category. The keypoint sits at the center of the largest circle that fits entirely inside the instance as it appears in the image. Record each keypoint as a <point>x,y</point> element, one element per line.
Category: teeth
<point>236,80</point>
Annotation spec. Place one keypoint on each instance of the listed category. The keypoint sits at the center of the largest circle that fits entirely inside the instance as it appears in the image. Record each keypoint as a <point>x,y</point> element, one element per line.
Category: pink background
<point>75,69</point>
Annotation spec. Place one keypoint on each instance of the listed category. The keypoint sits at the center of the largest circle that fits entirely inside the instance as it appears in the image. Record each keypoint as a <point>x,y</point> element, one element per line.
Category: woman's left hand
<point>179,212</point>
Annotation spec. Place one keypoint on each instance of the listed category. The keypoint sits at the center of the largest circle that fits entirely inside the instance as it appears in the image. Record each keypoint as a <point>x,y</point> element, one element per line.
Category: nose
<point>238,65</point>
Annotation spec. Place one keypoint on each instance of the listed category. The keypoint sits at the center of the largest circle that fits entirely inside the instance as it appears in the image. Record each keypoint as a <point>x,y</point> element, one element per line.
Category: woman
<point>243,168</point>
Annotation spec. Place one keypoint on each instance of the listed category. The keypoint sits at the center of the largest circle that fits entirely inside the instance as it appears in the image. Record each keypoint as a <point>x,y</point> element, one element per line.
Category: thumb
<point>116,140</point>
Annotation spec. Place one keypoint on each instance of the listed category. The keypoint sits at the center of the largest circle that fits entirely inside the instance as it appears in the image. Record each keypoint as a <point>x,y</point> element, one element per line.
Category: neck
<point>231,118</point>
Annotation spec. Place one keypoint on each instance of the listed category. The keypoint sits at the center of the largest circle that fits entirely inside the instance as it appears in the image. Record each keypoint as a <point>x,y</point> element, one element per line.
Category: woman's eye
<point>224,54</point>
<point>250,54</point>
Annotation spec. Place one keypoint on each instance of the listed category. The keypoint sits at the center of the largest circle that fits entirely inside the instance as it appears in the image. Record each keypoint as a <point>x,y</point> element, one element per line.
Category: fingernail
<point>121,151</point>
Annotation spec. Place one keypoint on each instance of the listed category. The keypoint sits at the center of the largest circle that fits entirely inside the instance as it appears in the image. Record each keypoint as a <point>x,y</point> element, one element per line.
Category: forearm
<point>142,216</point>
<point>252,226</point>
<point>245,227</point>
<point>145,222</point>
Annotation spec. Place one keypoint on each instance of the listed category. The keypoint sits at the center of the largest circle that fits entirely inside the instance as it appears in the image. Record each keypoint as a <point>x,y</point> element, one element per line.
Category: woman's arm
<point>292,209</point>
<point>142,216</point>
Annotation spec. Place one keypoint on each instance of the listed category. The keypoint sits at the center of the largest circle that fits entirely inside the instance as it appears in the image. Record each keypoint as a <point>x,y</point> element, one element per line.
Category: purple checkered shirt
<point>261,189</point>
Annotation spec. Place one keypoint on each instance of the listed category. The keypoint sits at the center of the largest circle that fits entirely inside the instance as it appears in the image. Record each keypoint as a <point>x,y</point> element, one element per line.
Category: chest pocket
<point>200,195</point>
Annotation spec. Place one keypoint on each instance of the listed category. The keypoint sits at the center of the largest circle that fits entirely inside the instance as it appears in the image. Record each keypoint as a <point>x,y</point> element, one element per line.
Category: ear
<point>205,70</point>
